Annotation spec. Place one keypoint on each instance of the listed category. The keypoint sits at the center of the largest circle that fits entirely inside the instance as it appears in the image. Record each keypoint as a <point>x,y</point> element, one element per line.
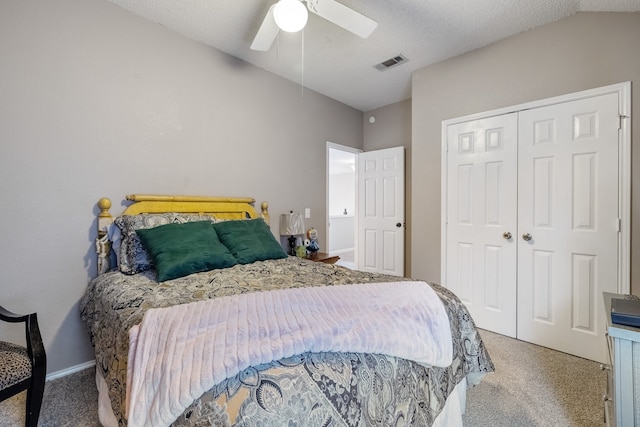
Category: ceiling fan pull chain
<point>302,70</point>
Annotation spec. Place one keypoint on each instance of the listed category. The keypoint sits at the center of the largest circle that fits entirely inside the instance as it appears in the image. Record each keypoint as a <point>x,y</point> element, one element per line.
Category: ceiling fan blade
<point>343,16</point>
<point>266,33</point>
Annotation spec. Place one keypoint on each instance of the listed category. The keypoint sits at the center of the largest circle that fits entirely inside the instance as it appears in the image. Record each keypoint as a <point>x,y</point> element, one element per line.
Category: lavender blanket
<point>177,353</point>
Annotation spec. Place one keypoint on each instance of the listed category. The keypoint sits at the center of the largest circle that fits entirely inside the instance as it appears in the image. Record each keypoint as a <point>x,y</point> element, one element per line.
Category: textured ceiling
<point>338,64</point>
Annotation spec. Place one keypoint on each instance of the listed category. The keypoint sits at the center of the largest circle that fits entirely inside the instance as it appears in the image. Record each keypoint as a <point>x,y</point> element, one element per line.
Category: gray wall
<point>584,51</point>
<point>95,102</point>
<point>392,128</point>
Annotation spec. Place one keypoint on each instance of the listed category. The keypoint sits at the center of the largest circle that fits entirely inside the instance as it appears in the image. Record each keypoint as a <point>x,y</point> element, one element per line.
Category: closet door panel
<point>481,191</point>
<point>567,214</point>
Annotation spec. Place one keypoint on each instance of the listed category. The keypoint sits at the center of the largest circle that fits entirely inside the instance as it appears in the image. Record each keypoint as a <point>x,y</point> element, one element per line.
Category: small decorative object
<point>312,246</point>
<point>301,251</point>
<point>292,225</point>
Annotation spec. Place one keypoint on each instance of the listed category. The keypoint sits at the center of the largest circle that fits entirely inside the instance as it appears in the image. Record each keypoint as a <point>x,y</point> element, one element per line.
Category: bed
<point>262,338</point>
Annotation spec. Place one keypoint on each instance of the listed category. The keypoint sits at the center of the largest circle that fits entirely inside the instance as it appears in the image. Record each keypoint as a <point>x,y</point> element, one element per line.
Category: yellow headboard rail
<point>220,207</point>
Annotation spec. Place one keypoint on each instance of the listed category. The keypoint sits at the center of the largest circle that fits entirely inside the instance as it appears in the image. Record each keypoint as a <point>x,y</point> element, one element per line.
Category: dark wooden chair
<point>23,368</point>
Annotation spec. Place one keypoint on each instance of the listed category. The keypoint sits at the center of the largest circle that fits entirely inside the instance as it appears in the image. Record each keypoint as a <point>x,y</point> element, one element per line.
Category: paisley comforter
<point>324,389</point>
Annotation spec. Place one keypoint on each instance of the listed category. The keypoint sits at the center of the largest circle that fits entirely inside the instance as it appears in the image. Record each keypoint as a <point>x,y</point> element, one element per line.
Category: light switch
<point>307,212</point>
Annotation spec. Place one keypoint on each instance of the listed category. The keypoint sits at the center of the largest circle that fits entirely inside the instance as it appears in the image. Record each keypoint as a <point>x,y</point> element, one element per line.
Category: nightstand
<point>323,257</point>
<point>622,396</point>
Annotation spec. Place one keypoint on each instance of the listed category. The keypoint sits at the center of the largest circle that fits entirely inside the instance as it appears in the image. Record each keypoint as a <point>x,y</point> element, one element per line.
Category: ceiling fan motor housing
<point>290,15</point>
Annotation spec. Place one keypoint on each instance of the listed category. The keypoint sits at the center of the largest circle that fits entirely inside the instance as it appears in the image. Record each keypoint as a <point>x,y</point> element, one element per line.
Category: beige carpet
<point>535,386</point>
<point>71,401</point>
<point>532,386</point>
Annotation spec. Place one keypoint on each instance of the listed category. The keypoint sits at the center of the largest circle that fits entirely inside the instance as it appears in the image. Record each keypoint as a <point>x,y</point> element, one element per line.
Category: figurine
<point>312,244</point>
<point>301,251</point>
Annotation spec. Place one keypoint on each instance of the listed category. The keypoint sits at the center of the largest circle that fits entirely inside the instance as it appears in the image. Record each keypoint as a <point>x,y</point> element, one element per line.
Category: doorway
<point>342,203</point>
<point>365,208</point>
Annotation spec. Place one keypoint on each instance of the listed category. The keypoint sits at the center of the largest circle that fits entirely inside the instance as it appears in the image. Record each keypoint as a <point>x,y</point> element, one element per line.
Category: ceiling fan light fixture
<point>290,15</point>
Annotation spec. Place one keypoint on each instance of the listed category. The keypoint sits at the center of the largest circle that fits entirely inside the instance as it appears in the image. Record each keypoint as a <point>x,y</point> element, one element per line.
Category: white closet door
<point>568,211</point>
<point>481,208</point>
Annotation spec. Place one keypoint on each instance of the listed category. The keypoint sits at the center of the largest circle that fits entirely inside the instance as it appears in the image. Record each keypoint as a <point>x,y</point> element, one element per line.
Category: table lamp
<point>292,225</point>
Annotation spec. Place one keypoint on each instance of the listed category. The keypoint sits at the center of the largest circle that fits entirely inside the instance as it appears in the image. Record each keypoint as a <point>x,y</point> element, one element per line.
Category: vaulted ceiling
<point>328,59</point>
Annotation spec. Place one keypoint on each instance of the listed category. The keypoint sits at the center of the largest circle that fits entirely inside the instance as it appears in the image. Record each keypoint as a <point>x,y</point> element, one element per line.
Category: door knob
<point>398,224</point>
<point>526,237</point>
<point>506,235</point>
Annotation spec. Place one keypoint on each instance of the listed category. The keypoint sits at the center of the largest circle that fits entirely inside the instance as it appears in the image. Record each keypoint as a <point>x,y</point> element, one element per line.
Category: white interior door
<point>381,218</point>
<point>482,219</point>
<point>568,212</point>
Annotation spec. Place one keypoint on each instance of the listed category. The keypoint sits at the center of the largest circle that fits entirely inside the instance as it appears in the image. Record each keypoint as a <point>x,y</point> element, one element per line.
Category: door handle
<point>526,237</point>
<point>506,235</point>
<point>398,224</point>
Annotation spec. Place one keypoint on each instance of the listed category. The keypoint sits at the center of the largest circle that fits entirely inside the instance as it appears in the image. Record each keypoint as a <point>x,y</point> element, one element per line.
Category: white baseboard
<point>71,370</point>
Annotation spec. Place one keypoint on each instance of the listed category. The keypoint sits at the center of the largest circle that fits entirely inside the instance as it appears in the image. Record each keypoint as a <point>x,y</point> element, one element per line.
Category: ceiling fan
<point>291,16</point>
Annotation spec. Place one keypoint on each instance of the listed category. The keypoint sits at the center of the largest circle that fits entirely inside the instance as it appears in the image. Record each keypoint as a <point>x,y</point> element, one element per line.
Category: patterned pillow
<point>15,365</point>
<point>132,257</point>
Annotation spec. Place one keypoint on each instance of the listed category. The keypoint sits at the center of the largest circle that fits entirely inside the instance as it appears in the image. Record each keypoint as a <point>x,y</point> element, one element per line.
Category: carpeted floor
<point>71,401</point>
<point>532,386</point>
<point>535,386</point>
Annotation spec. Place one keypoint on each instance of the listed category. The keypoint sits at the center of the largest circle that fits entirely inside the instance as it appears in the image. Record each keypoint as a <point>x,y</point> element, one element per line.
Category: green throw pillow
<point>249,240</point>
<point>181,249</point>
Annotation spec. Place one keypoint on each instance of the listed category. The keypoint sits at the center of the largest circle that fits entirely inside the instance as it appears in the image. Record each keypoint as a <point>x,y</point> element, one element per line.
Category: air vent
<point>390,63</point>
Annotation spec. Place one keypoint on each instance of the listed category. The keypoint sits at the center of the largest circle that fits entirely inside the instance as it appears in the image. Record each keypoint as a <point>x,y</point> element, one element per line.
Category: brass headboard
<point>220,207</point>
